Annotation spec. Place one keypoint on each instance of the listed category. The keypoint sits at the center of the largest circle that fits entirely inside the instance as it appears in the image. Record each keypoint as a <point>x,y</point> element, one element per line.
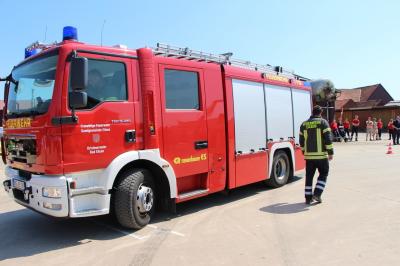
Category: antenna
<point>45,34</point>
<point>102,29</point>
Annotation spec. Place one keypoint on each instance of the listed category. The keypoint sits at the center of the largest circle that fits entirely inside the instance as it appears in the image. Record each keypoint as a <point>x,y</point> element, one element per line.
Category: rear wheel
<point>134,198</point>
<point>280,171</point>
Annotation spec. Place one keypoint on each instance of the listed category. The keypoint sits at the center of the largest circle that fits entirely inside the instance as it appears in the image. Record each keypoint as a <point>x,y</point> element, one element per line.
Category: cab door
<point>106,126</point>
<point>184,119</point>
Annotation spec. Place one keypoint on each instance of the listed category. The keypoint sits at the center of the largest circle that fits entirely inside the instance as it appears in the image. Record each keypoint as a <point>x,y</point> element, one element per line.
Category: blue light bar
<point>30,52</point>
<point>306,83</point>
<point>70,33</point>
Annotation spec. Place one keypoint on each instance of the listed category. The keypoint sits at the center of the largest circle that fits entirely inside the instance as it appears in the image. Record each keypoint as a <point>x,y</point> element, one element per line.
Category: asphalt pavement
<point>357,224</point>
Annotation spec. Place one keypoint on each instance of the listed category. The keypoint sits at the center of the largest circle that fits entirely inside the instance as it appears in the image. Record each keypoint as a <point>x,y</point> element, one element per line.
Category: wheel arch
<point>286,147</point>
<point>160,179</point>
<point>149,159</point>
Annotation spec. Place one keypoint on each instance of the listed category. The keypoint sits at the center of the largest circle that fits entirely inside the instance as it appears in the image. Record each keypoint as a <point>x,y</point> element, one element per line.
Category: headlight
<point>52,206</point>
<point>51,192</point>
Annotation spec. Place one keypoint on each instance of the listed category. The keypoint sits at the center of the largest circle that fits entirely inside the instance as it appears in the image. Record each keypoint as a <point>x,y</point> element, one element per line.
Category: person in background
<point>334,128</point>
<point>375,129</point>
<point>380,126</point>
<point>355,125</point>
<point>390,128</point>
<point>342,133</point>
<point>369,124</point>
<point>346,125</point>
<point>396,125</point>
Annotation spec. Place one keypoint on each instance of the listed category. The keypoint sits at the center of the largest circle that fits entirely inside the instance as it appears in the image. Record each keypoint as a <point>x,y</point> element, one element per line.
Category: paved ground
<point>358,224</point>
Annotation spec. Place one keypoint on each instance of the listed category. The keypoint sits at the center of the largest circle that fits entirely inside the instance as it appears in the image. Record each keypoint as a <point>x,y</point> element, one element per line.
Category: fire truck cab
<point>91,130</point>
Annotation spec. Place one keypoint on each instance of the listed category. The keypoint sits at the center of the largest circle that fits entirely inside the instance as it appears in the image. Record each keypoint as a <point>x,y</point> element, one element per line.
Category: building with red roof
<point>372,100</point>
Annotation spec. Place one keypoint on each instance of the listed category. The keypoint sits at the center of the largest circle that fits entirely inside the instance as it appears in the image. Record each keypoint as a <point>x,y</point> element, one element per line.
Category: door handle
<point>202,144</point>
<point>130,136</point>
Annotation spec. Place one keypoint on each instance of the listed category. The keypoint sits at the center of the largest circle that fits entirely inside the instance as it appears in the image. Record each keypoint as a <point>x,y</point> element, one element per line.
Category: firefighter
<point>317,147</point>
<point>396,125</point>
<point>390,129</point>
<point>374,129</point>
<point>380,126</point>
<point>346,125</point>
<point>335,131</point>
<point>369,124</point>
<point>355,124</point>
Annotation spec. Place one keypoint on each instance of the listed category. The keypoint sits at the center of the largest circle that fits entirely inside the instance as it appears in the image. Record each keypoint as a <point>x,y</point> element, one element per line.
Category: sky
<point>353,43</point>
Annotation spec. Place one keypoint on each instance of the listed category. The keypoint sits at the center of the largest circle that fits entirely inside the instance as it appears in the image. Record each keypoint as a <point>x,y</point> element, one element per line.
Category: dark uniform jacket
<point>396,123</point>
<point>316,138</point>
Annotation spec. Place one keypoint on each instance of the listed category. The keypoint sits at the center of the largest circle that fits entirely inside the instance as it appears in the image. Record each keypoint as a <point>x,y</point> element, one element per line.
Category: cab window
<point>106,82</point>
<point>181,89</point>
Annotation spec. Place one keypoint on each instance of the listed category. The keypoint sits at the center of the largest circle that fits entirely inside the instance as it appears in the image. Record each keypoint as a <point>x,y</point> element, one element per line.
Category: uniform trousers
<point>322,165</point>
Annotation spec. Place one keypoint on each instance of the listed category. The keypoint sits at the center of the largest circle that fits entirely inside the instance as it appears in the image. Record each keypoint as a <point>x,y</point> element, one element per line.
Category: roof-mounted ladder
<point>226,58</point>
<point>39,45</point>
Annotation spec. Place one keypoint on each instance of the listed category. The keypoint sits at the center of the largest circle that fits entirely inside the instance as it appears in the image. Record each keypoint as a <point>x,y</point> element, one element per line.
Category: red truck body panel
<point>98,137</point>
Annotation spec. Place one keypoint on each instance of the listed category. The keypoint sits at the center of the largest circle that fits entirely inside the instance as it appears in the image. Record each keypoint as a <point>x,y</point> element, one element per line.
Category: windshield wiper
<point>31,113</point>
<point>11,115</point>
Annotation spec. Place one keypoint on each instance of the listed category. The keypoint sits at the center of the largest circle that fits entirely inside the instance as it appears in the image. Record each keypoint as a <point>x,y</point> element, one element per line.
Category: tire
<point>281,169</point>
<point>133,195</point>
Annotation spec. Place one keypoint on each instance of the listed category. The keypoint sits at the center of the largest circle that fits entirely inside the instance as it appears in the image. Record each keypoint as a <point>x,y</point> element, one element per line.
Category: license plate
<point>18,184</point>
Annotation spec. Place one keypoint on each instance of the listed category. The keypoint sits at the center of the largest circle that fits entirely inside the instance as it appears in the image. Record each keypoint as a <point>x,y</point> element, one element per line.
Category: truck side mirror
<point>77,99</point>
<point>79,73</point>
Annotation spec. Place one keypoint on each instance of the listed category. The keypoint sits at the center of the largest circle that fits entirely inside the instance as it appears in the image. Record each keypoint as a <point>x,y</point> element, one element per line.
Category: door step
<point>192,193</point>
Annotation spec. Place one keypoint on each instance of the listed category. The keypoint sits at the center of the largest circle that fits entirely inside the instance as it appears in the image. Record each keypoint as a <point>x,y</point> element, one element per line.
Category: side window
<point>106,82</point>
<point>181,89</point>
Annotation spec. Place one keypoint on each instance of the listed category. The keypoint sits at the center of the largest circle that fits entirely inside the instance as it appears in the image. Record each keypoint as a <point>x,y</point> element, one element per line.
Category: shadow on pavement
<point>26,233</point>
<point>220,199</point>
<point>286,208</point>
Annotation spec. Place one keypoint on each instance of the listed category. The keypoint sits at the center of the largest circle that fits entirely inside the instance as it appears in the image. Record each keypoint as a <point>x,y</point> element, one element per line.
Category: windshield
<point>33,88</point>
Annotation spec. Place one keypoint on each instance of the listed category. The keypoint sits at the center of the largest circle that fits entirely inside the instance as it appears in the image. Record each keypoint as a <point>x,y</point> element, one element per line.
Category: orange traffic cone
<point>389,150</point>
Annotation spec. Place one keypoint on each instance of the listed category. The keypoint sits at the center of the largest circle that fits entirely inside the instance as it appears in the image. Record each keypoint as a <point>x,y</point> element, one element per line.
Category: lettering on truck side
<point>19,123</point>
<point>191,159</point>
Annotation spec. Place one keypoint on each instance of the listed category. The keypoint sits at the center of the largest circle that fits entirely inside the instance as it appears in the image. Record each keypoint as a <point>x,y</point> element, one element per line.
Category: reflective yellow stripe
<point>326,130</point>
<point>319,141</point>
<point>305,139</point>
<point>329,147</point>
<point>315,157</point>
<point>315,153</point>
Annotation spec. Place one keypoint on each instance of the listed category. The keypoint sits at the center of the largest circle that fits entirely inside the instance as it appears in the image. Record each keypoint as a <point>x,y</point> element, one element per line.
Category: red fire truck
<point>92,130</point>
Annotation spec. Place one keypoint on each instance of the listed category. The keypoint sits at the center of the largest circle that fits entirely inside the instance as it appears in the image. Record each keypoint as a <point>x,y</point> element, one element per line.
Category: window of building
<point>181,89</point>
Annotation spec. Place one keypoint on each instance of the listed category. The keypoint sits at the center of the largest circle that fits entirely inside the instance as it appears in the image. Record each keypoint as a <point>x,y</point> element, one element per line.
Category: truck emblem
<point>96,138</point>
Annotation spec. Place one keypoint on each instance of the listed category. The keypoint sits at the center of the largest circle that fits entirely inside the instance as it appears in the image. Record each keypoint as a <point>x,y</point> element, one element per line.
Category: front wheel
<point>134,202</point>
<point>280,170</point>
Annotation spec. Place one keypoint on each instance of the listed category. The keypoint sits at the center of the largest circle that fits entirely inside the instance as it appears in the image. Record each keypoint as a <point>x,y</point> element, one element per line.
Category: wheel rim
<point>144,198</point>
<point>280,169</point>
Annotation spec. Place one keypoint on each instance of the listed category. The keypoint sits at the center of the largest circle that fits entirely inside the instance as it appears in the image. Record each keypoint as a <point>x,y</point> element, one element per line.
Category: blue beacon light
<point>70,33</point>
<point>30,52</point>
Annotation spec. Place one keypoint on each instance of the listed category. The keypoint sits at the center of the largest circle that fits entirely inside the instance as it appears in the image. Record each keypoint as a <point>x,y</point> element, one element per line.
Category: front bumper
<point>82,202</point>
<point>31,196</point>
